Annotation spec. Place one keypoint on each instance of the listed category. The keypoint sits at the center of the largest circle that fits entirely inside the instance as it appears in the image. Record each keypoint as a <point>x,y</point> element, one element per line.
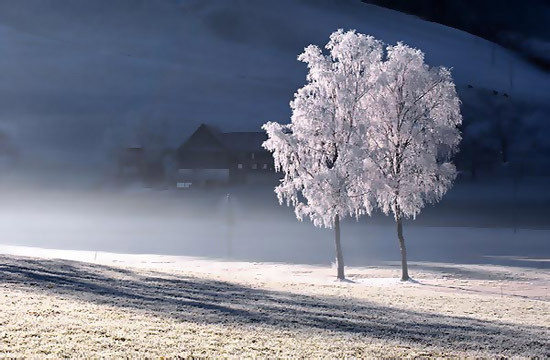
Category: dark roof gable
<point>250,141</point>
<point>204,136</point>
<point>245,141</point>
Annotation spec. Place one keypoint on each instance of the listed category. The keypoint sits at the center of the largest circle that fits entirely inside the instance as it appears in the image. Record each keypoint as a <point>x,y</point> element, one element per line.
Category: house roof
<point>244,141</point>
<point>249,141</point>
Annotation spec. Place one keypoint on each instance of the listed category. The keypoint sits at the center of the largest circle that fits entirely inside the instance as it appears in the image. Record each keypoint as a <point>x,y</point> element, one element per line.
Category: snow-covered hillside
<point>74,72</point>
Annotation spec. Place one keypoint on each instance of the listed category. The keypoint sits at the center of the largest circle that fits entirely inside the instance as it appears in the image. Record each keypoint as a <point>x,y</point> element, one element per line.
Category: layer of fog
<point>493,221</point>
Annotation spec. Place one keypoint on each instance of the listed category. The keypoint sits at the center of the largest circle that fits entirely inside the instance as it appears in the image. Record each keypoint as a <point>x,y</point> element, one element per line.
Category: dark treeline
<point>518,25</point>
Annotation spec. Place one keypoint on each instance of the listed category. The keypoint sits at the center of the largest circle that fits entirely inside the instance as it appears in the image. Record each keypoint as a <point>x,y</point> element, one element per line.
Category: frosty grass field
<point>77,303</point>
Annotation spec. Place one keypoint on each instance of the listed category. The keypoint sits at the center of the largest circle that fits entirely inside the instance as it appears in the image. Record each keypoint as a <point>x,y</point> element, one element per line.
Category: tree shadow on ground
<point>459,271</point>
<point>455,271</point>
<point>208,301</point>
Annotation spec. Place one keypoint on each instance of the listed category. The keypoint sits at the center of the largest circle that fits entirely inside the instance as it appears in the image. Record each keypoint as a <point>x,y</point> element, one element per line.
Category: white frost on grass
<point>152,305</point>
<point>493,279</point>
<point>382,281</point>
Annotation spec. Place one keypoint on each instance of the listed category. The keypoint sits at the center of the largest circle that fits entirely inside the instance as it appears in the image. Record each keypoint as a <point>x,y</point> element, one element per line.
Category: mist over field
<point>482,222</point>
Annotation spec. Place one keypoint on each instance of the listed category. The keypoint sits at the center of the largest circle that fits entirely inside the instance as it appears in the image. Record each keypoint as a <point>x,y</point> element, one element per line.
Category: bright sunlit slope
<point>72,71</point>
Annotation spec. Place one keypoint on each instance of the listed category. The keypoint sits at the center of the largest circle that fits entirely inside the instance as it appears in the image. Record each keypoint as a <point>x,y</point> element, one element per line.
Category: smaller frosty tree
<point>413,132</point>
<point>321,152</point>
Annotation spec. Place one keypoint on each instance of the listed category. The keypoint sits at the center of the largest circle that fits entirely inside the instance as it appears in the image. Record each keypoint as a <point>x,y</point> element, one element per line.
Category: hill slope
<point>73,71</point>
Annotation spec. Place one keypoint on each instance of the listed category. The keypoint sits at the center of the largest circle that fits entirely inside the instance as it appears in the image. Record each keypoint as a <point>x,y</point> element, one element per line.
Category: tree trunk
<point>229,222</point>
<point>404,269</point>
<point>229,238</point>
<point>339,256</point>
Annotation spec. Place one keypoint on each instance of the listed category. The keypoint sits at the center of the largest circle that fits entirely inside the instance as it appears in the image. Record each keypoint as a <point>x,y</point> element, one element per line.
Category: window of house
<point>252,156</point>
<point>264,167</point>
<point>239,166</point>
<point>254,166</point>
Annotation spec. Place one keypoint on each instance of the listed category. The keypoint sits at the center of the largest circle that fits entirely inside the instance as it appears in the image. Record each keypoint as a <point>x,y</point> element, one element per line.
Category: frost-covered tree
<point>413,131</point>
<point>321,151</point>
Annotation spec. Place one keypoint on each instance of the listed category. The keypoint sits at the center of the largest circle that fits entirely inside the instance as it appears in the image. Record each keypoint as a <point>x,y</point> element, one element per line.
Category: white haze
<point>475,223</point>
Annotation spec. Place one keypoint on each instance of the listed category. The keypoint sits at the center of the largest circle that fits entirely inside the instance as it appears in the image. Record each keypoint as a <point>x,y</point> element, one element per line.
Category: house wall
<point>256,161</point>
<point>207,150</point>
<point>203,150</point>
<point>201,177</point>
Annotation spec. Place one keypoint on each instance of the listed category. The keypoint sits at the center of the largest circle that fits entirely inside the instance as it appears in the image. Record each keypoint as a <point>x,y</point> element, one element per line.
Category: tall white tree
<point>414,115</point>
<point>321,152</point>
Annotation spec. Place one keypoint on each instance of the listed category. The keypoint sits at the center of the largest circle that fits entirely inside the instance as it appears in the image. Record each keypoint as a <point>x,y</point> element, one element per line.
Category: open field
<point>151,305</point>
<point>478,223</point>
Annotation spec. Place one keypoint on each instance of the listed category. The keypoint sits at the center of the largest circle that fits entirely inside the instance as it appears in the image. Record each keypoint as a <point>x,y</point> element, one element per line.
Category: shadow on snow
<point>208,301</point>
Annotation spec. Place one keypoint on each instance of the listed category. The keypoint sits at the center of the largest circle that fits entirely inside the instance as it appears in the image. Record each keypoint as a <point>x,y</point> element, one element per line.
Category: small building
<point>210,157</point>
<point>9,152</point>
<point>153,167</point>
<point>131,161</point>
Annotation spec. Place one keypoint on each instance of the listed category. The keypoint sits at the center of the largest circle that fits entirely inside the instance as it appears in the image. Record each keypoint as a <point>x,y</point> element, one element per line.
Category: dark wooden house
<point>210,156</point>
<point>9,152</point>
<point>131,160</point>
